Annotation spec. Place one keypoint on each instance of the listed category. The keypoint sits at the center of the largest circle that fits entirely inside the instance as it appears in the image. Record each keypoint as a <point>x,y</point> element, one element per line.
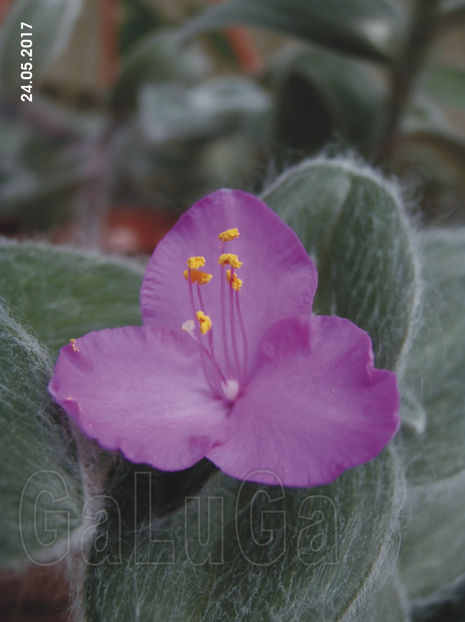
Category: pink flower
<point>230,364</point>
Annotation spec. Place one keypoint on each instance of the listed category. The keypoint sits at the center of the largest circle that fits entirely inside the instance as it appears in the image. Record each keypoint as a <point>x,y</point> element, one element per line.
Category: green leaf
<point>436,362</point>
<point>389,602</point>
<point>62,293</point>
<point>57,293</point>
<point>445,84</point>
<point>354,224</point>
<point>52,22</point>
<point>157,58</point>
<point>40,483</point>
<point>268,554</point>
<point>370,29</point>
<point>453,9</point>
<point>323,95</point>
<point>432,563</point>
<point>169,112</point>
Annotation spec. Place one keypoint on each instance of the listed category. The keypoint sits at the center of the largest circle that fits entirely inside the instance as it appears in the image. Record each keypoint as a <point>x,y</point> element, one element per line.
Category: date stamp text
<point>26,62</point>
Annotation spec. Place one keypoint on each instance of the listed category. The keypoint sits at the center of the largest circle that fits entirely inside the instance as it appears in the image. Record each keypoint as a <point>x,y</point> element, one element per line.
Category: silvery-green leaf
<point>371,29</point>
<point>322,95</point>
<point>435,367</point>
<point>38,174</point>
<point>239,551</point>
<point>170,112</point>
<point>354,224</point>
<point>61,293</point>
<point>432,562</point>
<point>157,58</point>
<point>453,9</point>
<point>40,483</point>
<point>51,23</point>
<point>50,294</point>
<point>389,602</point>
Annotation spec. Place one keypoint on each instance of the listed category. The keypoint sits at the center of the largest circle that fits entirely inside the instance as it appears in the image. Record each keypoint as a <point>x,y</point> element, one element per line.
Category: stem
<point>94,198</point>
<point>423,27</point>
<point>109,39</point>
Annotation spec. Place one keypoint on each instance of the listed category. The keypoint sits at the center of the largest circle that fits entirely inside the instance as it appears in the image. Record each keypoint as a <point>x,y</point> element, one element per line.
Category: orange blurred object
<point>244,48</point>
<point>135,230</point>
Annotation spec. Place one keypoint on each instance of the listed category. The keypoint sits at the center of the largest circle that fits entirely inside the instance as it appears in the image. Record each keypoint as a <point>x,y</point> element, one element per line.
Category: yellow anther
<point>194,263</point>
<point>228,235</point>
<point>73,343</point>
<point>233,280</point>
<point>197,276</point>
<point>204,321</point>
<point>230,260</point>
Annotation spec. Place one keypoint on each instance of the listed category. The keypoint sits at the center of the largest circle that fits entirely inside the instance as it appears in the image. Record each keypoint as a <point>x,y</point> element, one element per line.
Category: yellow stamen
<point>228,235</point>
<point>73,343</point>
<point>235,281</point>
<point>194,263</point>
<point>230,260</point>
<point>204,321</point>
<point>197,276</point>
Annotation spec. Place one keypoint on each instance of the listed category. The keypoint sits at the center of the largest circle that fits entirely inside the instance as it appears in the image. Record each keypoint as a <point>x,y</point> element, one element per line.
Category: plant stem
<point>423,27</point>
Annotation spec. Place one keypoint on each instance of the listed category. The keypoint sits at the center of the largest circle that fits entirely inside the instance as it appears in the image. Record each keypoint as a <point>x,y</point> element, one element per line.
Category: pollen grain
<point>204,321</point>
<point>194,263</point>
<point>229,234</point>
<point>197,276</point>
<point>230,260</point>
<point>233,280</point>
<point>74,345</point>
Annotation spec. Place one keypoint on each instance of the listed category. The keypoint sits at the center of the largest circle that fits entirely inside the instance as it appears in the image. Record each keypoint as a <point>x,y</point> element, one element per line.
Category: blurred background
<point>141,106</point>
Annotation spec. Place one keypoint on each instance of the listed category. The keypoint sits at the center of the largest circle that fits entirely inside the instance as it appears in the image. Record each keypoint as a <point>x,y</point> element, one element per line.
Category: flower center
<point>224,370</point>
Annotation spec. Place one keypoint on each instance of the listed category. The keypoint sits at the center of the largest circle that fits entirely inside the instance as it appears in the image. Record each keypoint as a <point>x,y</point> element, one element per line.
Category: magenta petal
<point>279,277</point>
<point>314,406</point>
<point>140,390</point>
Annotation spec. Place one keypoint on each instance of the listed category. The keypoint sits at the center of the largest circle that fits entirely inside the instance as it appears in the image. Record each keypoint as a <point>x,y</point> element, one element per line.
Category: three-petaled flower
<point>230,364</point>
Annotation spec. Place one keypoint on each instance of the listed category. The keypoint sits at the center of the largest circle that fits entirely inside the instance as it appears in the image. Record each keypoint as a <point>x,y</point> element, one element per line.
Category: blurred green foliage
<point>163,136</point>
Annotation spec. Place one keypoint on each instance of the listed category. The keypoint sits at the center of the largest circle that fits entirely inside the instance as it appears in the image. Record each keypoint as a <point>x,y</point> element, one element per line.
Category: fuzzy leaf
<point>40,484</point>
<point>57,293</point>
<point>354,224</point>
<point>270,553</point>
<point>389,602</point>
<point>370,29</point>
<point>52,22</point>
<point>432,562</point>
<point>63,293</point>
<point>435,365</point>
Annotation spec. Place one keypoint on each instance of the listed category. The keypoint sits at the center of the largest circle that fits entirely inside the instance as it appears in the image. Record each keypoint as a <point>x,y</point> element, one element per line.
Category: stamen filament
<point>223,322</point>
<point>202,306</point>
<point>244,338</point>
<point>211,358</point>
<point>191,294</point>
<point>233,327</point>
